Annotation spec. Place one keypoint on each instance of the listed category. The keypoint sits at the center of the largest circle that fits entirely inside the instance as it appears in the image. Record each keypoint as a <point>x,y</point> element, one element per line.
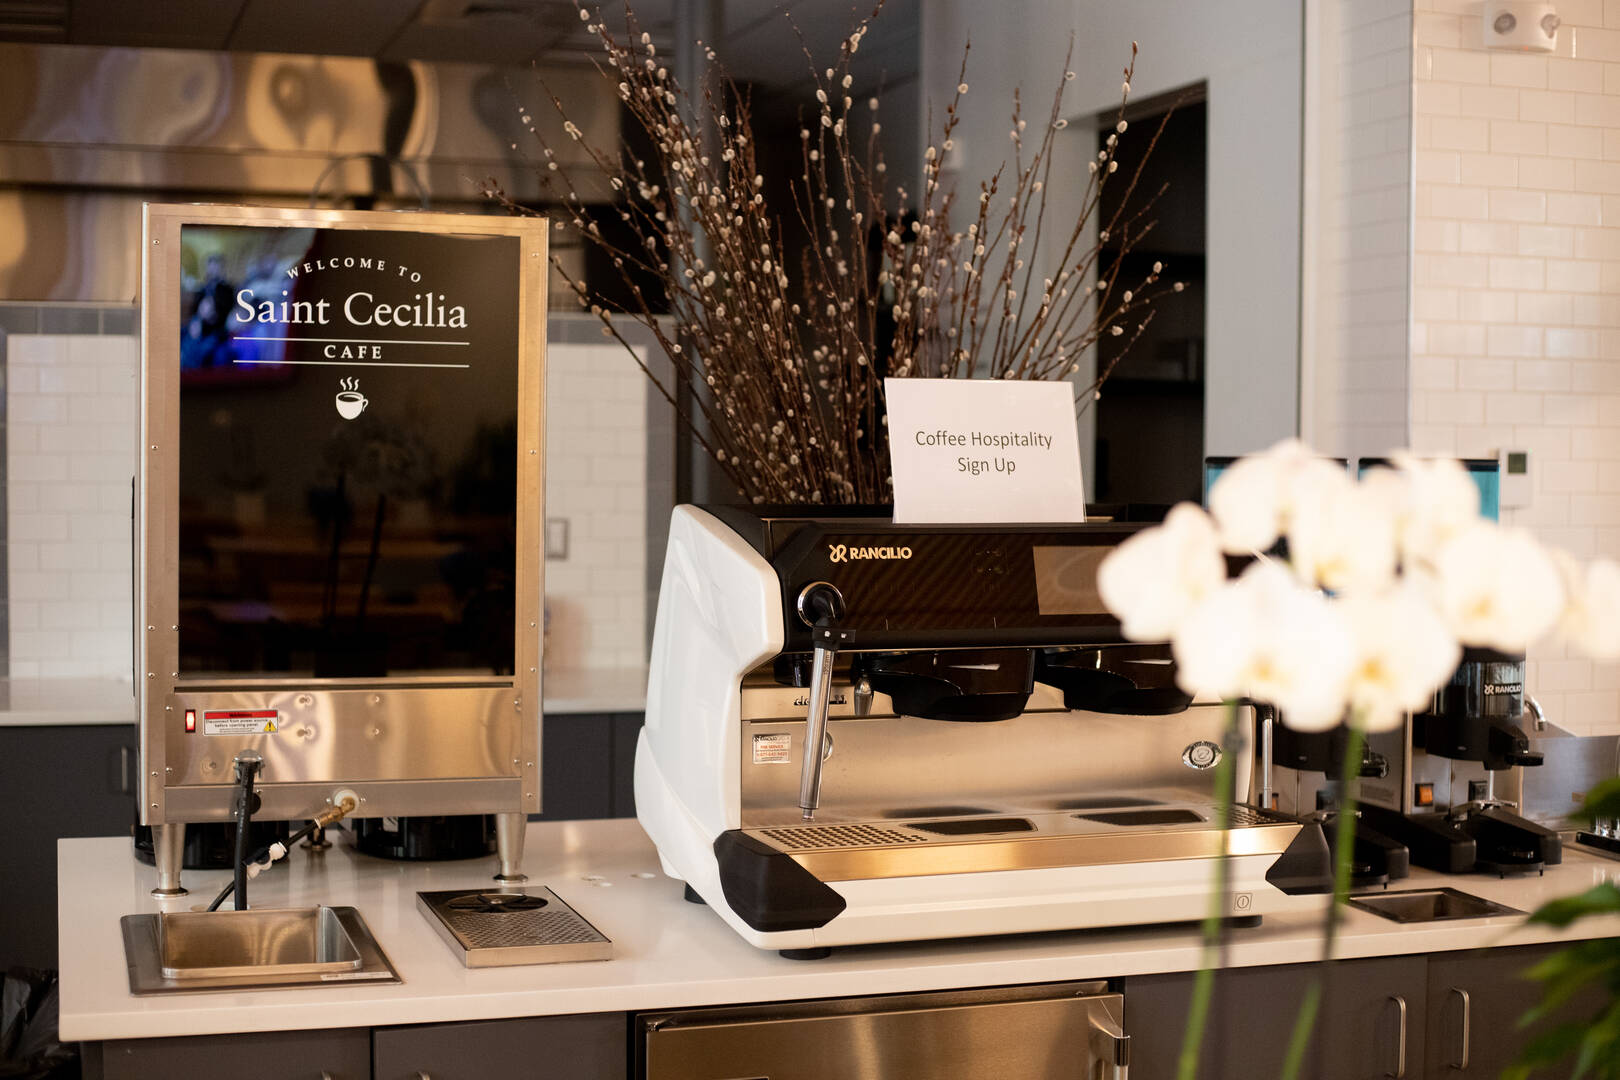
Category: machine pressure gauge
<point>1202,754</point>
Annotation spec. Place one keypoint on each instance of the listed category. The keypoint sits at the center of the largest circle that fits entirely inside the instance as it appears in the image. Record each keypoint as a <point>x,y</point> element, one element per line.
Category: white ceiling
<point>756,44</point>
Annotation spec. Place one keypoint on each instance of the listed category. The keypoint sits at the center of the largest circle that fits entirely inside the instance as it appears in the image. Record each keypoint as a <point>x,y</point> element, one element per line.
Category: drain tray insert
<point>510,926</point>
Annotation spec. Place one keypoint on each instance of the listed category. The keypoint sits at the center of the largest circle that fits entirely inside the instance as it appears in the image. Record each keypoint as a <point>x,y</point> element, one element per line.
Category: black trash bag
<point>29,1048</point>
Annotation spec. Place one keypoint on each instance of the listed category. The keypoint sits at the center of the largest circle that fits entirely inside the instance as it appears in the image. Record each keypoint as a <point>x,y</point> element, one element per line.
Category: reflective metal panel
<point>390,733</point>
<point>881,765</point>
<point>993,1033</point>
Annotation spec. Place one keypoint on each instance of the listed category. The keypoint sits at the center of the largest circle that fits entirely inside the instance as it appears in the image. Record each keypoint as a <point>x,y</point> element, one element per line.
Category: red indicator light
<point>191,719</point>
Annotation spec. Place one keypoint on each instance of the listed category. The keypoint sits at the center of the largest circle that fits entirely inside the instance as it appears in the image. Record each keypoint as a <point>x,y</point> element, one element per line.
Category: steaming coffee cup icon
<point>350,402</point>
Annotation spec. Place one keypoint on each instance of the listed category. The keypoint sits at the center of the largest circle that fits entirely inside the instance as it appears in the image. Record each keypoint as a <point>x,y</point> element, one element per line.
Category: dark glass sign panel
<point>1066,579</point>
<point>348,450</point>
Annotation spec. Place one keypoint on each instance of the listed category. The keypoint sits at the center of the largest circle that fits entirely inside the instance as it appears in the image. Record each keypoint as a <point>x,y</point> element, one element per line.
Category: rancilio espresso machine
<point>1452,800</point>
<point>987,755</point>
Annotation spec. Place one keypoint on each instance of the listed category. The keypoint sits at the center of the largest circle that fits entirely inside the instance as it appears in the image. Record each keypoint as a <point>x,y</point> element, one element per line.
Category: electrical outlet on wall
<point>1514,474</point>
<point>557,538</point>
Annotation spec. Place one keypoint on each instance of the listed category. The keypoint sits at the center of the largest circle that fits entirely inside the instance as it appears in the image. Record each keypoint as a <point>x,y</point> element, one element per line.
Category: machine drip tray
<point>506,927</point>
<point>1430,905</point>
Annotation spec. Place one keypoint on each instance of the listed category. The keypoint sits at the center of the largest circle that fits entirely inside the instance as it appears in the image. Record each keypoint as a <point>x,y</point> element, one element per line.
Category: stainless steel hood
<point>87,133</point>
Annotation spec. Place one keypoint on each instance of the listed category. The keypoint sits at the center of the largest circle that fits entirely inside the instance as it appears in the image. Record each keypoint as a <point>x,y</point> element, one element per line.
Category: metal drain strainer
<point>517,926</point>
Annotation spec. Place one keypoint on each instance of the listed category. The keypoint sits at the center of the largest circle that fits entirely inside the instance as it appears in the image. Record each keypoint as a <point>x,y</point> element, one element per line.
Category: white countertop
<point>62,702</point>
<point>667,953</point>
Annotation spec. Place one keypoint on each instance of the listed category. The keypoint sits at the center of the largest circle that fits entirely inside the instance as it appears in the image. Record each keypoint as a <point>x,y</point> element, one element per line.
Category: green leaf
<point>1598,900</point>
<point>1600,1039</point>
<point>1554,1045</point>
<point>1568,970</point>
<point>1603,800</point>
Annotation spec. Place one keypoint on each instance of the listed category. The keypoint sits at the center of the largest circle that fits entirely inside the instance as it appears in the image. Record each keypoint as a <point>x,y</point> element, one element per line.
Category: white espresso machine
<point>993,757</point>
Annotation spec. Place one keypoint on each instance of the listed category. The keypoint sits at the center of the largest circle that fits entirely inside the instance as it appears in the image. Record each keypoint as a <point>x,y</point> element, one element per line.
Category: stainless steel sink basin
<point>270,941</point>
<point>1430,905</point>
<point>260,947</point>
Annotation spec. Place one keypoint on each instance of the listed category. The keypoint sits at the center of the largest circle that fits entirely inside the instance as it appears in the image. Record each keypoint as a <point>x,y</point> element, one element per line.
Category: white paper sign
<point>966,451</point>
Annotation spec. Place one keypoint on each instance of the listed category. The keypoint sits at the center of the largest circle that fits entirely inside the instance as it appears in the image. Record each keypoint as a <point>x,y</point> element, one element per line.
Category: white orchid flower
<point>1250,498</point>
<point>1404,651</point>
<point>1434,499</point>
<point>1497,588</point>
<point>1341,536</point>
<point>1591,618</point>
<point>1156,577</point>
<point>1266,637</point>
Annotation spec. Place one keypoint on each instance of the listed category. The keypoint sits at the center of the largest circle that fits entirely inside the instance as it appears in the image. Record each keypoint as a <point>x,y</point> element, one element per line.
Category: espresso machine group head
<point>859,732</point>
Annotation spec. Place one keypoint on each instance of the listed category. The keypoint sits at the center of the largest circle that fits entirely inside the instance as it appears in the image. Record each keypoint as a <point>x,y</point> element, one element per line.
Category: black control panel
<point>922,586</point>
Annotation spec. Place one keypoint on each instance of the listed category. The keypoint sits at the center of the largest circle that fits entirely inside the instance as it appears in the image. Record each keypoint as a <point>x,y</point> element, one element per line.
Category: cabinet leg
<point>509,830</point>
<point>169,851</point>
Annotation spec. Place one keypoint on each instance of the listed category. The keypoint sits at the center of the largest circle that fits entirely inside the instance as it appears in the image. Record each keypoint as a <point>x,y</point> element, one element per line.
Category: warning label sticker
<point>773,749</point>
<point>241,722</point>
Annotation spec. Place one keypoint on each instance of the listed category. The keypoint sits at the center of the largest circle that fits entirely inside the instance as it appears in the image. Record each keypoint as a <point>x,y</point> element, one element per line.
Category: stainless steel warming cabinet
<point>338,515</point>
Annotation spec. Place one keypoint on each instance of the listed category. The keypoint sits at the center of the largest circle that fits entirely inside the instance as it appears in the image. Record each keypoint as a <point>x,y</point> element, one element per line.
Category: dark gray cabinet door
<point>1369,1026</point>
<point>576,767</point>
<point>626,733</point>
<point>70,780</point>
<point>336,1054</point>
<point>586,1047</point>
<point>1475,1001</point>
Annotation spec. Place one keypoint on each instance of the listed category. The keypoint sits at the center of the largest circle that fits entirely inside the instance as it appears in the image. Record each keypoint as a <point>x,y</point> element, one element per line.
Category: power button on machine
<point>1202,754</point>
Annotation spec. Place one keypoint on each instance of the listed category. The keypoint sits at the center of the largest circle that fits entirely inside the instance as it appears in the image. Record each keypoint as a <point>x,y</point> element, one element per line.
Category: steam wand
<point>821,606</point>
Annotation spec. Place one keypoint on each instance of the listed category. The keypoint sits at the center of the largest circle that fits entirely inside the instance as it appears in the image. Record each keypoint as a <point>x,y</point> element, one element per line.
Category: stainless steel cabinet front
<point>953,1036</point>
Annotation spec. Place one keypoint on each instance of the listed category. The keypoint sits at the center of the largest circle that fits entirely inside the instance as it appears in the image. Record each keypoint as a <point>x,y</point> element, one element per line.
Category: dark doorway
<point>1150,420</point>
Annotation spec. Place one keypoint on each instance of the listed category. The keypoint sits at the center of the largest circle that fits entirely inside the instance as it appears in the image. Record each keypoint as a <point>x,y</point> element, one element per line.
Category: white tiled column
<point>71,415</point>
<point>1516,291</point>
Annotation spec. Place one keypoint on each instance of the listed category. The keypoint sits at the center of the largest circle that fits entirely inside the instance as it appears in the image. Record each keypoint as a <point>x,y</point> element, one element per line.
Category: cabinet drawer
<point>338,1054</point>
<point>588,1047</point>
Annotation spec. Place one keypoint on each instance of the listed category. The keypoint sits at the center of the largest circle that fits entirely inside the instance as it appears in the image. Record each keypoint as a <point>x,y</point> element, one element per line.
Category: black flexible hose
<point>244,818</point>
<point>259,856</point>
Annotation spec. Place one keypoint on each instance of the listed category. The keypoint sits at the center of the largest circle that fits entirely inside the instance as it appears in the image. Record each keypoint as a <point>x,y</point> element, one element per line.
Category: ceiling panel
<point>757,42</point>
<point>33,20</point>
<point>174,24</point>
<point>363,28</point>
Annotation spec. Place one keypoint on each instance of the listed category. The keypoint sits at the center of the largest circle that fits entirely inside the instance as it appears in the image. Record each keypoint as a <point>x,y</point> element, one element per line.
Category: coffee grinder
<point>1455,810</point>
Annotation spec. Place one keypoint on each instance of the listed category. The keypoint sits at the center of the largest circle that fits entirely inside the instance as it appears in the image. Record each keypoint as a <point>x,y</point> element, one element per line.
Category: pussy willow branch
<point>785,367</point>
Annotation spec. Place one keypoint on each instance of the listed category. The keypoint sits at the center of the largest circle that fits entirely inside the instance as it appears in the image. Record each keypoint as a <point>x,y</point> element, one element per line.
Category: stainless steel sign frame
<point>419,744</point>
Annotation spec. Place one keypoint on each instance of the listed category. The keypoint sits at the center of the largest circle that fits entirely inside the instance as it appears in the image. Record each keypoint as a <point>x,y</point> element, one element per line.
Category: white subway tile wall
<point>1516,285</point>
<point>596,480</point>
<point>1365,115</point>
<point>72,406</point>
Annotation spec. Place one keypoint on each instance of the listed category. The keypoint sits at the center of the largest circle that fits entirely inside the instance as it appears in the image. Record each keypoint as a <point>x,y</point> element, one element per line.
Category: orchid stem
<point>1214,919</point>
<point>1344,839</point>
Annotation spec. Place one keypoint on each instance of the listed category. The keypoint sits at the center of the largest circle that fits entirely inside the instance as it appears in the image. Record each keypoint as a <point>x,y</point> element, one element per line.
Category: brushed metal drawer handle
<point>1467,1009</point>
<point>1400,1046</point>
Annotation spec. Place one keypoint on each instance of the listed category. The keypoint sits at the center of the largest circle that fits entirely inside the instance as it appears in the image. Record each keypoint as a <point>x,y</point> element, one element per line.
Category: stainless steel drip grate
<point>808,837</point>
<point>515,926</point>
<point>1249,815</point>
